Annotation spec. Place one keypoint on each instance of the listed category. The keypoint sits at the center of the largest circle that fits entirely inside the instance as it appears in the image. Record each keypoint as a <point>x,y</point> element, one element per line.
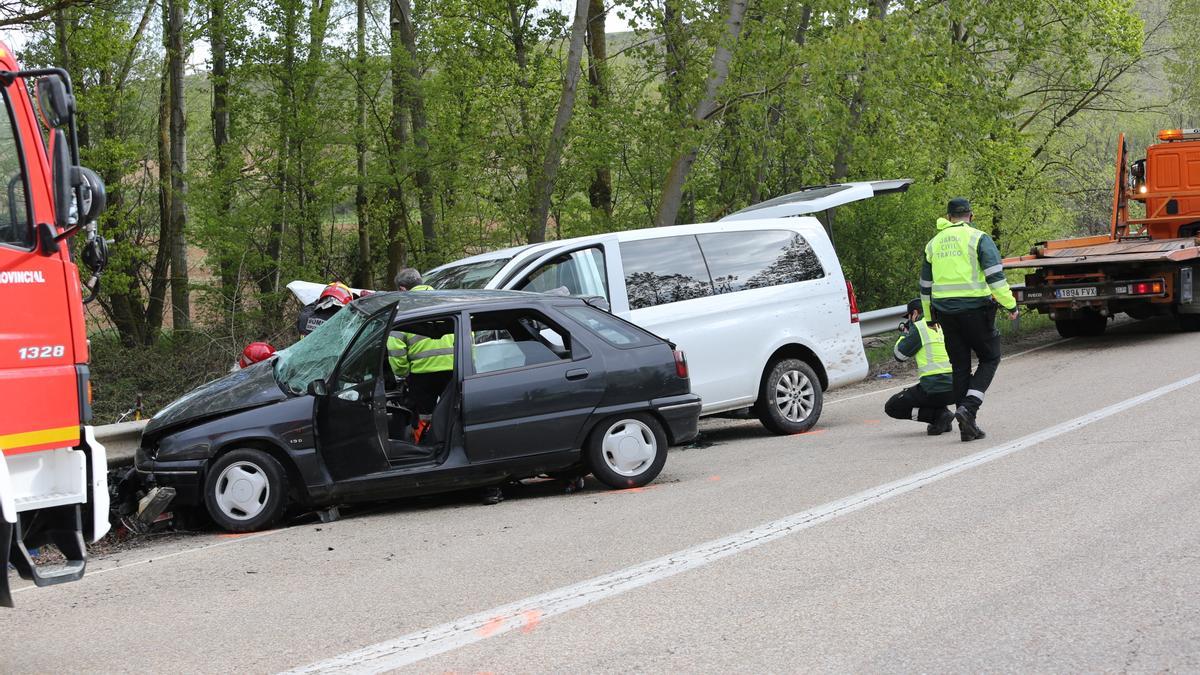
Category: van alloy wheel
<point>790,397</point>
<point>242,491</point>
<point>795,396</point>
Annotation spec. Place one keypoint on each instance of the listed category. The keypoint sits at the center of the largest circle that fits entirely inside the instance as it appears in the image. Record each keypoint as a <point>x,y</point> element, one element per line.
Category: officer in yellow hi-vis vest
<point>925,401</point>
<point>962,281</point>
<point>427,362</point>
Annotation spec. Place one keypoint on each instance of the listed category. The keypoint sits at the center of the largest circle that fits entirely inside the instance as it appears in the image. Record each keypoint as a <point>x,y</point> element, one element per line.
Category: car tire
<point>627,451</point>
<point>246,490</point>
<point>790,397</point>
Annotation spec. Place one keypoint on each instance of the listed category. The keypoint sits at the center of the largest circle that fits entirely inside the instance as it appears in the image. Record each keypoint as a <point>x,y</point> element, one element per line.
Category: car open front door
<point>351,419</point>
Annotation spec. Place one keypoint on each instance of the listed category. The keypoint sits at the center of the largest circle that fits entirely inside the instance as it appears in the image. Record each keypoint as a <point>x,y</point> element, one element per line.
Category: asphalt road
<point>1065,541</point>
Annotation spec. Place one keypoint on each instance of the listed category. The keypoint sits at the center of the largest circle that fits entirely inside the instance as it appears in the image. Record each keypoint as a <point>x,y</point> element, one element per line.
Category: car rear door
<point>519,396</point>
<point>351,419</point>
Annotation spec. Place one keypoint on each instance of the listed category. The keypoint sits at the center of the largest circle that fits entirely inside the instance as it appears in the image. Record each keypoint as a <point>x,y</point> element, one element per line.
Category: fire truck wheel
<point>246,490</point>
<point>1189,322</point>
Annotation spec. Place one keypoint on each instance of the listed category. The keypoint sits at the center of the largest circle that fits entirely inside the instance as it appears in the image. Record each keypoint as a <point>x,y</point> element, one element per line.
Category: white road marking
<point>527,613</point>
<point>901,386</point>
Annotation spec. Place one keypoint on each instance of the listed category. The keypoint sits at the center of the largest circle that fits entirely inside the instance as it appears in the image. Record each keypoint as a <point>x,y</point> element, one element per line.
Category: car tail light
<point>681,368</point>
<point>853,301</point>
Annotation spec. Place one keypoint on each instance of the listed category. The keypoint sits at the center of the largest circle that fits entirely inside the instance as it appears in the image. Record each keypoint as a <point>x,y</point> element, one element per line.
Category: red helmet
<point>336,293</point>
<point>255,352</point>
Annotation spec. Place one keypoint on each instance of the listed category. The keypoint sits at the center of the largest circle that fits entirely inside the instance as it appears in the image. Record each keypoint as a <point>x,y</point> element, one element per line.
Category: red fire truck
<point>53,473</point>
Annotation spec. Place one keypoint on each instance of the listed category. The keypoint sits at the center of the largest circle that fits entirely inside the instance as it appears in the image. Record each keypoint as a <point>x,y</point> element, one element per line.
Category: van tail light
<point>853,301</point>
<point>681,368</point>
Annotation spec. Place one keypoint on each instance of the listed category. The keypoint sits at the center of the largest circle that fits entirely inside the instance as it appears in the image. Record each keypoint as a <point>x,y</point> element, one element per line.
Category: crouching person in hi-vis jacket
<point>927,400</point>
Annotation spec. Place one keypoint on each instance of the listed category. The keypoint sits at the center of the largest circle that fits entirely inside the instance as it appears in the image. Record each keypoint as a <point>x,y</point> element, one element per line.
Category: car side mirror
<point>317,388</point>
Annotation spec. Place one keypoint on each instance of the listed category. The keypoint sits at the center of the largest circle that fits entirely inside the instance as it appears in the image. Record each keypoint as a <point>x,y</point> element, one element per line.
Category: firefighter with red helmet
<point>255,352</point>
<point>335,296</point>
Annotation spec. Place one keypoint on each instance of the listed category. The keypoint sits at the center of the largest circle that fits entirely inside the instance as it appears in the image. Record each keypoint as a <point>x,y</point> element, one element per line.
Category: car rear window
<point>611,329</point>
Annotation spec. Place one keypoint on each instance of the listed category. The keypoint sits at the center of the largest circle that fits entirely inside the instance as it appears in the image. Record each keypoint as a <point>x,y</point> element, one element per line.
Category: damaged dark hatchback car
<point>538,385</point>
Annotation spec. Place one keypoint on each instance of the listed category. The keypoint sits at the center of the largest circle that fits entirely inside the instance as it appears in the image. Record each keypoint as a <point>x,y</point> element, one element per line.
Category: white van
<point>756,300</point>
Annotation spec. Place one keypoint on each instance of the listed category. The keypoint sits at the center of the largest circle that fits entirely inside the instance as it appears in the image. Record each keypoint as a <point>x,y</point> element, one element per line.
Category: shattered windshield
<point>314,357</point>
<point>467,275</point>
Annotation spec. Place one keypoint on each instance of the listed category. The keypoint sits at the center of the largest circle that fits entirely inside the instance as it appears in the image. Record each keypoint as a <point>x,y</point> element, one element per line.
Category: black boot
<point>944,423</point>
<point>491,495</point>
<point>967,428</point>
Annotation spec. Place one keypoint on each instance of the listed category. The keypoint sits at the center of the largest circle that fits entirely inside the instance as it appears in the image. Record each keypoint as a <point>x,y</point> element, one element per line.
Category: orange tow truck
<point>1145,266</point>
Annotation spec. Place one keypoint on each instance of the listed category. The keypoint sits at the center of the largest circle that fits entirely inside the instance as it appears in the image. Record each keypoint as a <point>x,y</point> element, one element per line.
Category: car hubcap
<point>795,396</point>
<point>629,447</point>
<point>242,491</point>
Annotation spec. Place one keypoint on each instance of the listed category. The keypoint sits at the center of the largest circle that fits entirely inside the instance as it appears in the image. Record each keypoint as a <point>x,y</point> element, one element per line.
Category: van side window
<point>743,260</point>
<point>668,269</point>
<point>582,273</point>
<point>14,205</point>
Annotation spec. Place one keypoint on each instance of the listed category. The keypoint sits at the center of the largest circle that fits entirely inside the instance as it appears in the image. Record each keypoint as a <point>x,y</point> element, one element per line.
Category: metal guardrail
<point>879,321</point>
<point>121,440</point>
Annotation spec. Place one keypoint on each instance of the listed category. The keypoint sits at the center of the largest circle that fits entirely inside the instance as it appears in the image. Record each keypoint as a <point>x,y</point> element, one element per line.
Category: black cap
<point>959,206</point>
<point>914,305</point>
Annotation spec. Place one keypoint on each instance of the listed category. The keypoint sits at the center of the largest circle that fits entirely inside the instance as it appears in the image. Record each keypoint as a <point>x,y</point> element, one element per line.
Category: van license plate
<point>1075,293</point>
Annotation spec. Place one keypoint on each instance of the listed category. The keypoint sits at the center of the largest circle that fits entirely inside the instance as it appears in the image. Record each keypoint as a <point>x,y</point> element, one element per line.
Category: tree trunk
<point>775,113</point>
<point>600,190</point>
<point>160,279</point>
<point>674,64</point>
<point>544,186</point>
<point>841,158</point>
<point>681,165</point>
<point>397,225</point>
<point>420,136</point>
<point>362,276</point>
<point>309,221</point>
<point>176,56</point>
<point>220,134</point>
<point>269,282</point>
<point>518,23</point>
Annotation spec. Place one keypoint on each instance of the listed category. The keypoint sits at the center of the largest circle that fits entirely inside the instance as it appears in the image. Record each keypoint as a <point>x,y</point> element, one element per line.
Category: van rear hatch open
<point>816,198</point>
